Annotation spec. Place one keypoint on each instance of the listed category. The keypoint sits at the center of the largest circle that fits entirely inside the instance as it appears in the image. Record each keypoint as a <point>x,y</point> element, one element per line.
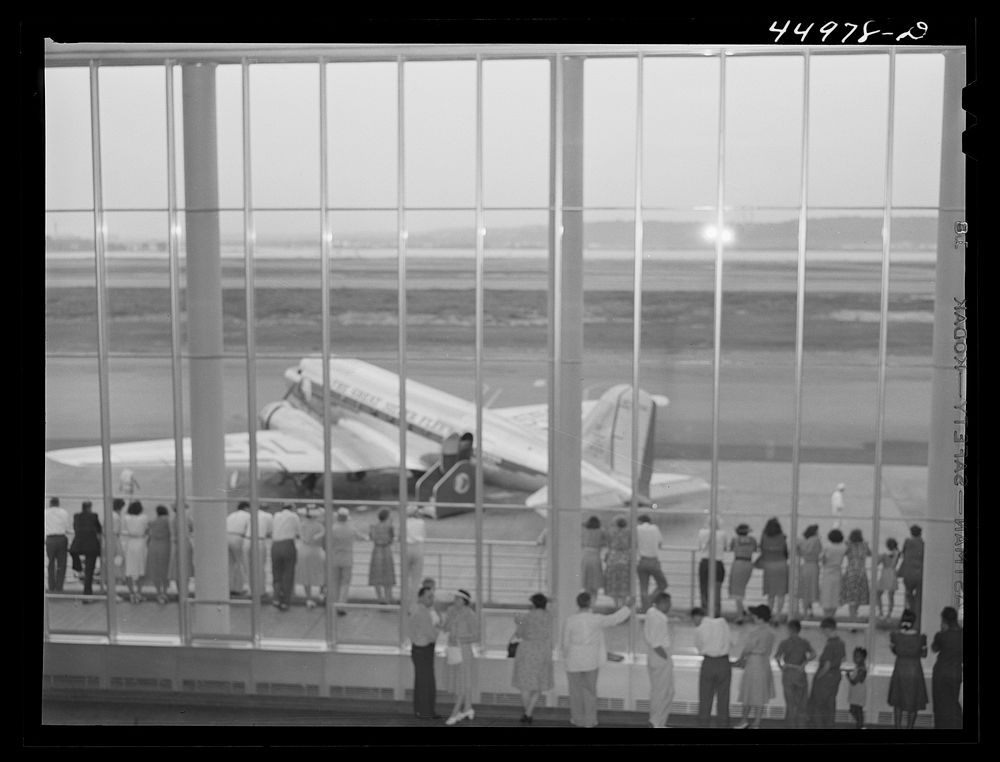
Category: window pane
<point>68,158</point>
<point>763,131</point>
<point>916,162</point>
<point>284,134</point>
<point>362,125</point>
<point>680,132</point>
<point>516,133</point>
<point>133,137</point>
<point>609,101</point>
<point>848,111</point>
<point>440,133</point>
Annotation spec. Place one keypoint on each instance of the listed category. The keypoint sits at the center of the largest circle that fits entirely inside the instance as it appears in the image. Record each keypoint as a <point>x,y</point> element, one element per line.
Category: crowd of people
<point>830,574</point>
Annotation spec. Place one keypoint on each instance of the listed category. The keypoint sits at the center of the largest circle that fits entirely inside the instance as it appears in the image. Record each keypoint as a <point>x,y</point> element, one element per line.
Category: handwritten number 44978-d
<point>831,26</point>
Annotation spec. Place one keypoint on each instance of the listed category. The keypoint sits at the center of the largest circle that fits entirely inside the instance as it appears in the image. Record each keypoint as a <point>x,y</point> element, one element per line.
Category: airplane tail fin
<point>607,435</point>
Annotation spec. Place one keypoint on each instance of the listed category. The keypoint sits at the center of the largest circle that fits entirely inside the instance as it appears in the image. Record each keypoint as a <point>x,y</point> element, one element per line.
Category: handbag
<point>454,654</point>
<point>512,648</point>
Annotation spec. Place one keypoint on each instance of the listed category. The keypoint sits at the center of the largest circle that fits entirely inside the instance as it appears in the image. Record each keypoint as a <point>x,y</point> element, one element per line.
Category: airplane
<point>364,442</point>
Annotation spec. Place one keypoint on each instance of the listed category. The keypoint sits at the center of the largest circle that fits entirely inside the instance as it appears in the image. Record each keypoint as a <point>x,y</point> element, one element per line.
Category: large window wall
<point>398,212</point>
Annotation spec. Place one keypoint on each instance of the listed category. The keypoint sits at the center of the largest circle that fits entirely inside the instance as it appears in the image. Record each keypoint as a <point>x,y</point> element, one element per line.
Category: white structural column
<point>942,560</point>
<point>204,302</point>
<point>566,253</point>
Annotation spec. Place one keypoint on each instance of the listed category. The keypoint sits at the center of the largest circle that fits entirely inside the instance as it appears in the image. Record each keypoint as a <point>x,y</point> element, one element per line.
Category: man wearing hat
<point>660,666</point>
<point>342,537</point>
<point>837,504</point>
<point>284,532</point>
<point>237,527</point>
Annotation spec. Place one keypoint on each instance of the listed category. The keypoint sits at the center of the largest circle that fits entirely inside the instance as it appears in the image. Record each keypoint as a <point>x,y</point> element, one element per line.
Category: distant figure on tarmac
<point>837,505</point>
<point>57,529</point>
<point>127,483</point>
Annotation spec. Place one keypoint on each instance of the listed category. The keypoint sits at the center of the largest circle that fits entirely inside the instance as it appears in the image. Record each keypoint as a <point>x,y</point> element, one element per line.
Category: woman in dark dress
<point>158,553</point>
<point>823,698</point>
<point>907,689</point>
<point>946,680</point>
<point>593,539</point>
<point>743,546</point>
<point>86,543</point>
<point>381,567</point>
<point>774,562</point>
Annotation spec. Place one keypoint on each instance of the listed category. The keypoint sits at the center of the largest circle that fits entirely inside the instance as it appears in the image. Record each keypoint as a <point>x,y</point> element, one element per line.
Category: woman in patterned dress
<point>888,582</point>
<point>593,539</point>
<point>310,568</point>
<point>533,661</point>
<point>831,559</point>
<point>854,587</point>
<point>381,570</point>
<point>907,689</point>
<point>617,566</point>
<point>808,551</point>
<point>757,685</point>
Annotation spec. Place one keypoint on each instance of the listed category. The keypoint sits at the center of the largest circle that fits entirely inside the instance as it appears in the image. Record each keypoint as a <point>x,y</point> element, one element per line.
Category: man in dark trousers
<point>791,657</point>
<point>284,532</point>
<point>713,641</point>
<point>424,626</point>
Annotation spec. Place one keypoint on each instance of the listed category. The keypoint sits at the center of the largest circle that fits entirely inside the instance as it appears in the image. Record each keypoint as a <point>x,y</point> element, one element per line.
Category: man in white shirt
<point>424,625</point>
<point>57,530</point>
<point>283,555</point>
<point>837,504</point>
<point>237,525</point>
<point>656,630</point>
<point>649,540</point>
<point>341,558</point>
<point>703,558</point>
<point>265,525</point>
<point>416,536</point>
<point>584,652</point>
<point>712,639</point>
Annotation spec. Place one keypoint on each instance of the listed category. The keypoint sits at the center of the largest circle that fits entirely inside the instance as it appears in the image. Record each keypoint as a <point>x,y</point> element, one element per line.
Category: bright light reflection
<point>710,233</point>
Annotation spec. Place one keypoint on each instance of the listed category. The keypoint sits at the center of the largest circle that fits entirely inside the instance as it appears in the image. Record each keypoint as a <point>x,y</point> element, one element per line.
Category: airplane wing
<point>351,450</point>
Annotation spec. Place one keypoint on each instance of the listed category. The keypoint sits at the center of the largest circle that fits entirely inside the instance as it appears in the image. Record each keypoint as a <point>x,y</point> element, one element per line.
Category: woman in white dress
<point>134,536</point>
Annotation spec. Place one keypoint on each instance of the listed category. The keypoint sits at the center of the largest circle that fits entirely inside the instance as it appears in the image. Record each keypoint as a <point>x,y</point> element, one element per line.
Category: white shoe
<point>454,718</point>
<point>469,715</point>
<point>742,725</point>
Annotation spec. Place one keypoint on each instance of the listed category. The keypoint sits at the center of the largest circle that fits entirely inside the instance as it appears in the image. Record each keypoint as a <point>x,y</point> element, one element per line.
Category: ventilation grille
<point>214,686</point>
<point>287,689</point>
<point>142,684</point>
<point>924,719</point>
<point>609,704</point>
<point>501,699</point>
<point>676,707</point>
<point>361,692</point>
<point>71,681</point>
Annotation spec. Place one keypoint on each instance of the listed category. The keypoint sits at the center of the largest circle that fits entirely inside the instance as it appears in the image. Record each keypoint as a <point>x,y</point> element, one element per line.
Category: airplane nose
<point>268,411</point>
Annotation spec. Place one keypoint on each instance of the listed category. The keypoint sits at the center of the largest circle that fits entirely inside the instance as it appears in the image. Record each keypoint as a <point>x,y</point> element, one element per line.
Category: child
<point>856,691</point>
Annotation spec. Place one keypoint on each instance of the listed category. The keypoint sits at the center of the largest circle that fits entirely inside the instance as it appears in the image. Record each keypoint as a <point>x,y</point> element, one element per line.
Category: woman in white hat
<point>462,626</point>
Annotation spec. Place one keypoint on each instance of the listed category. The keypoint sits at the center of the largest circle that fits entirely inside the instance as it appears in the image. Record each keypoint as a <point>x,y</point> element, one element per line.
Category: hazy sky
<point>763,112</point>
